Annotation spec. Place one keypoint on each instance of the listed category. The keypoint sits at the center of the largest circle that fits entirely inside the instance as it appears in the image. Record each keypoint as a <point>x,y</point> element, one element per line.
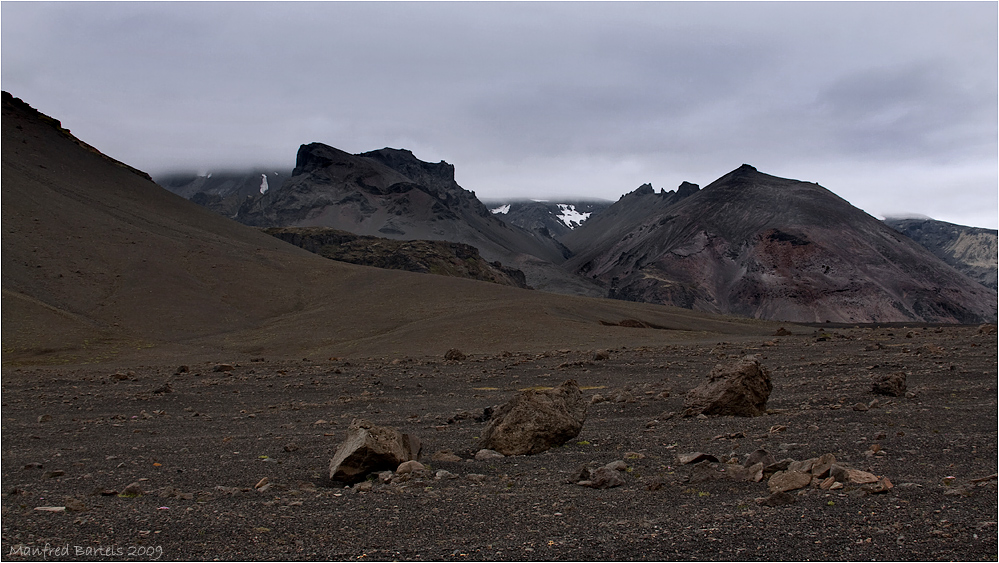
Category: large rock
<point>739,389</point>
<point>535,421</point>
<point>889,384</point>
<point>370,448</point>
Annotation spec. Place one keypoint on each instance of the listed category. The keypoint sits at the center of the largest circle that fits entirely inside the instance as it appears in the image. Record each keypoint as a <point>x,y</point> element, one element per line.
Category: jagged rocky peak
<point>403,160</point>
<point>316,156</point>
<point>645,189</point>
<point>687,189</point>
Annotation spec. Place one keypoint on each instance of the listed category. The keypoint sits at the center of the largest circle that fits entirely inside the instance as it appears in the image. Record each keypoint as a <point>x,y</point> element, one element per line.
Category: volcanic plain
<point>229,458</point>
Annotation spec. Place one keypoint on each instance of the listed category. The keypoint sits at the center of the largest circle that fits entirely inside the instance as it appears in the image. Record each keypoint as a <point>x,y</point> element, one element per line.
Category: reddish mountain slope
<point>766,247</point>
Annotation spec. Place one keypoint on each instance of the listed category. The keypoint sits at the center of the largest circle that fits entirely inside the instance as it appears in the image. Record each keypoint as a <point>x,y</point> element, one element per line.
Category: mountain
<point>423,256</point>
<point>224,192</point>
<point>100,264</point>
<point>549,218</point>
<point>391,193</point>
<point>766,247</point>
<point>973,251</point>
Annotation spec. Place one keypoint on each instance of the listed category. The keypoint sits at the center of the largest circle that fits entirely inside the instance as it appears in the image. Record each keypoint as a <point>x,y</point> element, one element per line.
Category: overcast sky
<point>893,106</point>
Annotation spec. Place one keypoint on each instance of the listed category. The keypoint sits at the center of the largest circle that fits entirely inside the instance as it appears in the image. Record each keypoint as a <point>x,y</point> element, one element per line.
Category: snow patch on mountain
<point>501,210</point>
<point>570,216</point>
<point>263,184</point>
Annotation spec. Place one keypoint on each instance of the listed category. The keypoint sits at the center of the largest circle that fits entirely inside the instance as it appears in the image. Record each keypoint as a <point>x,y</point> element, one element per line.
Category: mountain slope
<point>224,192</point>
<point>100,264</point>
<point>766,247</point>
<point>972,251</point>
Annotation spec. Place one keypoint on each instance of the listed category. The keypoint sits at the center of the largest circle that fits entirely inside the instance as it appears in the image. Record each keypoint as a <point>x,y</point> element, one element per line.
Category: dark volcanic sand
<point>216,434</point>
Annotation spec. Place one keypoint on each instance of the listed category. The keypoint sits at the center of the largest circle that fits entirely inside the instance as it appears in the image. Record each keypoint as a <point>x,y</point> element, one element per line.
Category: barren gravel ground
<point>198,443</point>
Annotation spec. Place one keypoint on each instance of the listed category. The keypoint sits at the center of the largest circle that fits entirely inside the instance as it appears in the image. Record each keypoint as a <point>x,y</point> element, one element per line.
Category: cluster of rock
<point>823,472</point>
<point>537,420</point>
<point>530,423</point>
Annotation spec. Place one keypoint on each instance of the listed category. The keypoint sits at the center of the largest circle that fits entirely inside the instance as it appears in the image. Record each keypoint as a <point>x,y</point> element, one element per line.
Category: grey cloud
<point>591,98</point>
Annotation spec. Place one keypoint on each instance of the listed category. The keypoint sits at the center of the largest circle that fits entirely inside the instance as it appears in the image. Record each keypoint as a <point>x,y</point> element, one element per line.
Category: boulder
<point>368,448</point>
<point>738,389</point>
<point>889,384</point>
<point>536,420</point>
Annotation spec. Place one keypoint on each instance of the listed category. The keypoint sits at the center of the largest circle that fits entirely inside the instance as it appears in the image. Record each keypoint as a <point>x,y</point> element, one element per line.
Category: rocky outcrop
<point>739,389</point>
<point>972,251</point>
<point>423,256</point>
<point>536,420</point>
<point>760,246</point>
<point>369,448</point>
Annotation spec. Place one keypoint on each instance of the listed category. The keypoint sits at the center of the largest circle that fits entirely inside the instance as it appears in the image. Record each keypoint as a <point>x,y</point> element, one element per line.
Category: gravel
<point>151,464</point>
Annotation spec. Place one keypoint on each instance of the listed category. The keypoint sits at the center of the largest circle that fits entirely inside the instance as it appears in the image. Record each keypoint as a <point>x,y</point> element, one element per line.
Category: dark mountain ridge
<point>390,193</point>
<point>761,246</point>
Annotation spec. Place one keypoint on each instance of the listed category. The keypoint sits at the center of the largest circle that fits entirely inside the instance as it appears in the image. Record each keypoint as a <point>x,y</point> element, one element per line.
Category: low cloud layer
<point>893,106</point>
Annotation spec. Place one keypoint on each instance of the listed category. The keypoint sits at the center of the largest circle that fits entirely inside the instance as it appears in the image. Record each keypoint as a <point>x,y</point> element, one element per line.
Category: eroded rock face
<point>535,421</point>
<point>739,389</point>
<point>369,448</point>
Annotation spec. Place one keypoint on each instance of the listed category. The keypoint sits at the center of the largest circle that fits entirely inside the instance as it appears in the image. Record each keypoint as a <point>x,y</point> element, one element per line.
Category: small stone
<point>363,486</point>
<point>476,478</point>
<point>804,466</point>
<point>859,477</point>
<point>696,457</point>
<point>445,455</point>
<point>883,485</point>
<point>618,465</point>
<point>487,454</point>
<point>223,367</point>
<point>45,418</point>
<point>291,447</point>
<point>634,455</point>
<point>822,465</point>
<point>53,474</point>
<point>603,478</point>
<point>182,369</point>
<point>409,467</point>
<point>784,481</point>
<point>74,505</point>
<point>51,508</point>
<point>132,490</point>
<point>444,474</point>
<point>860,407</point>
<point>261,483</point>
<point>385,476</point>
<point>760,456</point>
<point>597,398</point>
<point>454,355</point>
